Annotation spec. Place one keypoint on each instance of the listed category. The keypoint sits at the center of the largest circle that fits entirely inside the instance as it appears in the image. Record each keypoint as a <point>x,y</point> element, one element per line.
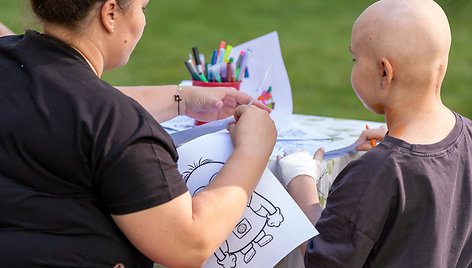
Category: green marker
<point>203,78</point>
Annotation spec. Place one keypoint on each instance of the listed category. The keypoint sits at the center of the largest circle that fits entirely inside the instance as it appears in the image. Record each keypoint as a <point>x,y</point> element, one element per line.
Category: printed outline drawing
<point>250,230</point>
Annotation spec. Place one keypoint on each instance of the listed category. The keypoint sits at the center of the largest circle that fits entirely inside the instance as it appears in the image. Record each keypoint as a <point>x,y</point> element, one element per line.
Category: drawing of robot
<point>250,230</point>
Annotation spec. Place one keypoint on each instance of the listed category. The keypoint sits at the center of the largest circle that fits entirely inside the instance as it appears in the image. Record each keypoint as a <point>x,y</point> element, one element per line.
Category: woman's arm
<point>186,231</point>
<point>201,103</point>
<point>157,100</point>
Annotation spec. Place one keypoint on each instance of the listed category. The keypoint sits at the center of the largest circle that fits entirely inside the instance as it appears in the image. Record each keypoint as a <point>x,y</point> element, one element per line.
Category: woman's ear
<point>387,72</point>
<point>108,15</point>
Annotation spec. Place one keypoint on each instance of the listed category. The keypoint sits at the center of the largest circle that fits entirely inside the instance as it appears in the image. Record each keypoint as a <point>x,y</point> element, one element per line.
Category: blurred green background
<point>314,38</point>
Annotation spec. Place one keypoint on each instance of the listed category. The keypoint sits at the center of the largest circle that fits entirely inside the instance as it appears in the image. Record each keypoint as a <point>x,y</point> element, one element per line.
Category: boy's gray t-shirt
<point>401,205</point>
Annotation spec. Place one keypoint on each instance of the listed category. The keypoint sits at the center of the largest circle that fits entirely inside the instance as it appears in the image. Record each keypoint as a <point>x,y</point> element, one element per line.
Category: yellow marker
<point>227,51</point>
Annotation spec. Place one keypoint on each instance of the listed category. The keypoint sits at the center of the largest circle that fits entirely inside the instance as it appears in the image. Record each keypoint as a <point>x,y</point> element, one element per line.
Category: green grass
<point>314,38</point>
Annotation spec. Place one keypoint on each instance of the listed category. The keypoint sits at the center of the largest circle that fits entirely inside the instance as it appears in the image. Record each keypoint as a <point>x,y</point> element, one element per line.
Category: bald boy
<point>406,202</point>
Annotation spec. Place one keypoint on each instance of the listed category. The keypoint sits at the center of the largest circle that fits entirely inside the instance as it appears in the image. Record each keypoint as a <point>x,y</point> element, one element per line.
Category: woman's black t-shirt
<point>73,150</point>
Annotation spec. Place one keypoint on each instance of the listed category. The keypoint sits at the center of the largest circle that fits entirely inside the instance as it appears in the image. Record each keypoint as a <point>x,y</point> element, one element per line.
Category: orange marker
<point>372,141</point>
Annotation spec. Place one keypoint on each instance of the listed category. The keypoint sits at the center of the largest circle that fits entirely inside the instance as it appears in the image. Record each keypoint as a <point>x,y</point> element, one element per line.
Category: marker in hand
<point>372,141</point>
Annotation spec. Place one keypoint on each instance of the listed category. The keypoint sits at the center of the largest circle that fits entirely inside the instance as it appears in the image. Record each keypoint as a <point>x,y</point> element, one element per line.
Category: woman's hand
<point>377,134</point>
<point>253,132</point>
<point>213,103</point>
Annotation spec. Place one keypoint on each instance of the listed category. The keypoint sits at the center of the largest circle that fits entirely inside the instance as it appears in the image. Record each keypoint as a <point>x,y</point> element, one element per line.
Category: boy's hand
<point>377,134</point>
<point>299,163</point>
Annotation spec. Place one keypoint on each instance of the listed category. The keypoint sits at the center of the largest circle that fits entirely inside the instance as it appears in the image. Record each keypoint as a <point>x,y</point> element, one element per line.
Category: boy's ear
<point>108,15</point>
<point>387,72</point>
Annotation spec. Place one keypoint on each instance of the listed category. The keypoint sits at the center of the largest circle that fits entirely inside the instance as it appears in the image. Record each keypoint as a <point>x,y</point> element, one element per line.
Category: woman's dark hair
<point>68,12</point>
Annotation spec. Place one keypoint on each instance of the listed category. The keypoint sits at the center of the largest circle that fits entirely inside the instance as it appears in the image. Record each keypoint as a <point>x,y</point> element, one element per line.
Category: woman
<point>88,178</point>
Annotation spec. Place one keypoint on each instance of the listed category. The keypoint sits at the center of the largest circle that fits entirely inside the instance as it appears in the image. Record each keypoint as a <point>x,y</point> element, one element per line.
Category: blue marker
<point>211,76</point>
<point>214,57</point>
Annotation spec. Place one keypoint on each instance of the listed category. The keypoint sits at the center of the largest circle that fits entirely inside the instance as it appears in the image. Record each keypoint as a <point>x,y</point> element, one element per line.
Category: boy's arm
<point>303,190</point>
<point>300,172</point>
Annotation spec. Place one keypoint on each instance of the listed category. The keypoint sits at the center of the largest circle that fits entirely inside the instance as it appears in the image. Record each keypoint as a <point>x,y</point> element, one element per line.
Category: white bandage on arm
<point>298,163</point>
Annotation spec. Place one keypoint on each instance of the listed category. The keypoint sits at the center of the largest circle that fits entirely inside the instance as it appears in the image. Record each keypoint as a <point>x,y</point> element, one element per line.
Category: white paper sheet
<point>272,224</point>
<point>289,129</point>
<point>266,54</point>
<point>187,135</point>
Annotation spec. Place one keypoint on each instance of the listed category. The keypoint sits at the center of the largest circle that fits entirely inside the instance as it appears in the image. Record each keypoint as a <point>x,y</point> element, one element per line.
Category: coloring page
<point>272,224</point>
<point>267,78</point>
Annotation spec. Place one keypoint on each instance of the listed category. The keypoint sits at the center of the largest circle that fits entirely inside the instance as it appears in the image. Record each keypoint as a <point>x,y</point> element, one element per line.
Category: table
<point>339,132</point>
<point>310,133</point>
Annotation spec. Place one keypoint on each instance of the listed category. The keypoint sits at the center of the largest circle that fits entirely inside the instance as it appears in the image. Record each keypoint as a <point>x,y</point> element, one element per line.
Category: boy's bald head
<point>413,34</point>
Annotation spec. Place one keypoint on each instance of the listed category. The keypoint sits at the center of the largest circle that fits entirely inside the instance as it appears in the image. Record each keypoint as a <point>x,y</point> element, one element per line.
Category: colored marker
<point>213,73</point>
<point>229,76</point>
<point>372,141</point>
<point>191,69</point>
<point>214,57</point>
<point>196,56</point>
<point>244,63</point>
<point>221,56</point>
<point>238,64</point>
<point>223,72</point>
<point>240,57</point>
<point>221,68</point>
<point>207,71</point>
<point>227,51</point>
<point>216,69</point>
<point>203,78</point>
<point>233,72</point>
<point>222,45</point>
<point>191,58</point>
<point>202,63</point>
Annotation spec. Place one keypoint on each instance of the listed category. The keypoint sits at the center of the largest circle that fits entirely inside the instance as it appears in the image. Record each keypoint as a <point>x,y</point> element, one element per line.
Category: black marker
<point>196,56</point>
